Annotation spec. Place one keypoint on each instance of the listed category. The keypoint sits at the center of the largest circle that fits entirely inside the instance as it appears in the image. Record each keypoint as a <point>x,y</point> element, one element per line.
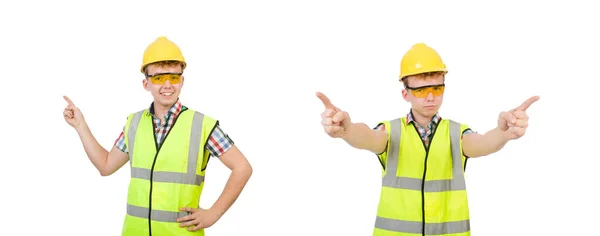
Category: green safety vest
<point>423,189</point>
<point>165,178</point>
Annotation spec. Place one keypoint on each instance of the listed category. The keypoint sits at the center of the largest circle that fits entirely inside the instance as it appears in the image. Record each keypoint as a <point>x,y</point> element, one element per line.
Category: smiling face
<point>164,81</point>
<point>425,92</point>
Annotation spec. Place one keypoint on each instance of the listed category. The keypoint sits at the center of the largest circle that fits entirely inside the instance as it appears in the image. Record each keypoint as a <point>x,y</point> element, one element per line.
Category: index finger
<point>185,218</point>
<point>528,103</point>
<point>189,209</point>
<point>325,101</point>
<point>68,100</point>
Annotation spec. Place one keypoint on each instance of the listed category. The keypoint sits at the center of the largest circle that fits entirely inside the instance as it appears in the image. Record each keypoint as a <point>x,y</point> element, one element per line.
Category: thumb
<point>326,102</point>
<point>339,117</point>
<point>508,117</point>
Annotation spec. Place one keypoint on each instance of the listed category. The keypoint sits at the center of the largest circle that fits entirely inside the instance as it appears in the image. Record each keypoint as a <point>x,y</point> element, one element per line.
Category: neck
<point>160,110</point>
<point>422,120</point>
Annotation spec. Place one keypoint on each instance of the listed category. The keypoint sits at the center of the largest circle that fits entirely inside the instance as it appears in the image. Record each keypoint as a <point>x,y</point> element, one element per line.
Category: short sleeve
<point>219,142</point>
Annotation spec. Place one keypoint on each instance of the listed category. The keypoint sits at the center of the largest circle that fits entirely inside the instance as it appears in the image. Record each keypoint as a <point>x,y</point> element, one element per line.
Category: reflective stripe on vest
<point>390,180</point>
<point>168,177</point>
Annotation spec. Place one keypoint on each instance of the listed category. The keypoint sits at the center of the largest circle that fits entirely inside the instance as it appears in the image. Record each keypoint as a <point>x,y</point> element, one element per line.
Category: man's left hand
<point>515,122</point>
<point>198,219</point>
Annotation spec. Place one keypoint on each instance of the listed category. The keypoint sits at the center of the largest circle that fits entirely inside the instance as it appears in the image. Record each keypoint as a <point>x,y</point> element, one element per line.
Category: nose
<point>167,84</point>
<point>430,96</point>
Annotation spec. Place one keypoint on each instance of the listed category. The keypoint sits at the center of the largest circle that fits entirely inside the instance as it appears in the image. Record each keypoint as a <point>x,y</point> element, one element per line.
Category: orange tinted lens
<point>424,92</point>
<point>161,79</point>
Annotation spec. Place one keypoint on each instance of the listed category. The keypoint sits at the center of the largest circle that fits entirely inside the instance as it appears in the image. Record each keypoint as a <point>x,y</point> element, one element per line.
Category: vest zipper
<point>424,173</point>
<point>154,162</point>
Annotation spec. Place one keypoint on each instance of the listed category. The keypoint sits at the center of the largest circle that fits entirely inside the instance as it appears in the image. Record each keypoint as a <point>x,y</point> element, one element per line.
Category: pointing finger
<point>528,103</point>
<point>325,101</point>
<point>68,101</point>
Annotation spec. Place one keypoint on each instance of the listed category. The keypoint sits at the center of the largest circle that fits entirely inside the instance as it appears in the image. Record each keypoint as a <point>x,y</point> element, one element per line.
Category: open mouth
<point>166,94</point>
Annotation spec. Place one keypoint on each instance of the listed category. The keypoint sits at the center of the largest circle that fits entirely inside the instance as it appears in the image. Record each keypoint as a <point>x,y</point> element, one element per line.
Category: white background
<point>256,66</point>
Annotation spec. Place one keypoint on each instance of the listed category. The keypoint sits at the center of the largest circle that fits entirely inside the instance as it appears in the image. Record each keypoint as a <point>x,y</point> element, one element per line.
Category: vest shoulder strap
<point>133,125</point>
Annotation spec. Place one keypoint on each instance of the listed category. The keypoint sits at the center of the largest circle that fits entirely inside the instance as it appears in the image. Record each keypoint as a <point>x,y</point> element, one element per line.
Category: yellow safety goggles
<point>423,91</point>
<point>173,78</point>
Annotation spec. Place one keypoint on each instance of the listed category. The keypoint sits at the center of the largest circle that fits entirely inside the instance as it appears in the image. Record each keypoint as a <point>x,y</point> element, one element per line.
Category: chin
<point>168,100</point>
<point>430,111</point>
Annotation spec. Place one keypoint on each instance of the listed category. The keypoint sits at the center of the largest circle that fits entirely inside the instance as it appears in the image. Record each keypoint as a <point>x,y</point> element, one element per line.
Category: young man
<point>168,146</point>
<point>423,155</point>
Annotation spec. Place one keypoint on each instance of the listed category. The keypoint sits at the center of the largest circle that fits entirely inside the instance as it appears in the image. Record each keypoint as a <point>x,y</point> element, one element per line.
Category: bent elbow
<point>105,173</point>
<point>248,170</point>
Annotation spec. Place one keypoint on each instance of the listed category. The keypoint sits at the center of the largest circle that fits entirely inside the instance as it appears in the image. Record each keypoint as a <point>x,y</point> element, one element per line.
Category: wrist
<point>81,127</point>
<point>219,211</point>
<point>347,130</point>
<point>504,134</point>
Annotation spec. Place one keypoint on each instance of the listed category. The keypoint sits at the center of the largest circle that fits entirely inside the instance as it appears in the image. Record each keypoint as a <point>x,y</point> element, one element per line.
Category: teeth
<point>167,94</point>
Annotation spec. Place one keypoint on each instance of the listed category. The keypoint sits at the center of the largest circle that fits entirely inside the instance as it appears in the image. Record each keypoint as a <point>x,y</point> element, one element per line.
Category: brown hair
<point>423,76</point>
<point>163,64</point>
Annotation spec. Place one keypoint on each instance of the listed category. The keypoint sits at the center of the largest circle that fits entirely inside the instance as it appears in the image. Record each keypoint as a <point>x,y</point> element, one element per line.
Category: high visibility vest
<point>423,189</point>
<point>165,178</point>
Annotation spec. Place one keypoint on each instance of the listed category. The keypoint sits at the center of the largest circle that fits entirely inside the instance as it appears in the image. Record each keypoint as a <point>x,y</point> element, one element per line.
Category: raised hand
<point>72,114</point>
<point>335,121</point>
<point>516,121</point>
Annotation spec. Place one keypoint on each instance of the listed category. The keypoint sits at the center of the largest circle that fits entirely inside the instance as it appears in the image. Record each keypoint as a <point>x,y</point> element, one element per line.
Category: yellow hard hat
<point>162,49</point>
<point>419,59</point>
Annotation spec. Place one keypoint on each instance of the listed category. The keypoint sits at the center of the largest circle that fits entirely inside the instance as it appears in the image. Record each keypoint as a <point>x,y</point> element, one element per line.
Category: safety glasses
<point>423,91</point>
<point>160,79</point>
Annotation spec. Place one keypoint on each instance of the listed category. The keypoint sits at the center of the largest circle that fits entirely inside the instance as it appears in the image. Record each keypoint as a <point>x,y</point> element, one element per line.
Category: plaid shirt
<point>425,133</point>
<point>218,143</point>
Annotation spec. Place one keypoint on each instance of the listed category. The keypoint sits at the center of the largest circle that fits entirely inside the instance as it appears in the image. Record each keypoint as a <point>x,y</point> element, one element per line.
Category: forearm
<point>360,136</point>
<point>95,152</point>
<point>488,143</point>
<point>234,186</point>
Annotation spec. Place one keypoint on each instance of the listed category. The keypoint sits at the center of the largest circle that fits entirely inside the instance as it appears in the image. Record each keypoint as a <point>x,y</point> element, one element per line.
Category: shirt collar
<point>174,110</point>
<point>434,121</point>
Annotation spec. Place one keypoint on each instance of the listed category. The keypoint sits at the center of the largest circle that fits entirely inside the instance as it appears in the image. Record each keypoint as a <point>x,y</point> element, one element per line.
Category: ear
<point>182,79</point>
<point>405,95</point>
<point>145,84</point>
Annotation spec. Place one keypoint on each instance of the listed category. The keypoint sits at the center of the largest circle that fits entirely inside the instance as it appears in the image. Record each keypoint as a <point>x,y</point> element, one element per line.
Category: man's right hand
<point>72,114</point>
<point>335,121</point>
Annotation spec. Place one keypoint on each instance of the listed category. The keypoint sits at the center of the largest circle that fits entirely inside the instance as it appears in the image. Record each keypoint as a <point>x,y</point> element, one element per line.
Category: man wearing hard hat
<point>168,146</point>
<point>423,155</point>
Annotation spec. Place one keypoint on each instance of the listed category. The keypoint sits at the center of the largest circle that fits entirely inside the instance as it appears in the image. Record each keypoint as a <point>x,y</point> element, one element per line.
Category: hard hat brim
<point>444,70</point>
<point>183,64</point>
